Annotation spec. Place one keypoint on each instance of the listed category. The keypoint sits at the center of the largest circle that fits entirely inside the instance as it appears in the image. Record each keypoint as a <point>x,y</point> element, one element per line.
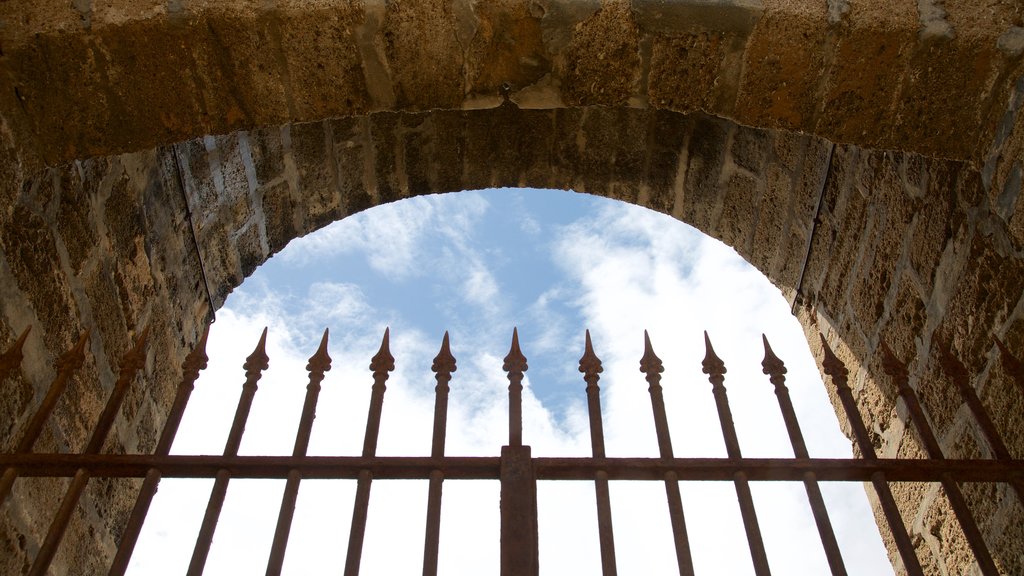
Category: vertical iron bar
<point>776,370</point>
<point>443,366</point>
<point>714,367</point>
<point>131,363</point>
<point>898,372</point>
<point>254,366</point>
<point>652,367</point>
<point>67,364</point>
<point>834,368</point>
<point>590,366</point>
<point>195,361</point>
<point>515,365</point>
<point>318,364</point>
<point>519,544</point>
<point>381,364</point>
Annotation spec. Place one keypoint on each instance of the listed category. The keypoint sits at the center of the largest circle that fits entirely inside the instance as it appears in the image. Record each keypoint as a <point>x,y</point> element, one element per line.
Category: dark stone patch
<point>279,211</point>
<point>668,133</point>
<point>74,217</point>
<point>350,163</point>
<point>703,170</point>
<point>267,154</point>
<point>250,254</point>
<point>750,148</point>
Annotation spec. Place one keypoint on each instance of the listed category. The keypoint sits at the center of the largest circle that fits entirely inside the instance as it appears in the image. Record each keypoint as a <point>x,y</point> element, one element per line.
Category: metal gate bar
<point>517,470</point>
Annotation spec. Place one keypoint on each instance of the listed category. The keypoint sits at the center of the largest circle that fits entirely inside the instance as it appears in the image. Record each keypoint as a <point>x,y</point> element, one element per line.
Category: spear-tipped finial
<point>320,361</point>
<point>712,364</point>
<point>75,357</point>
<point>515,361</point>
<point>444,362</point>
<point>590,364</point>
<point>891,364</point>
<point>197,359</point>
<point>833,366</point>
<point>649,362</point>
<point>771,364</point>
<point>383,361</point>
<point>11,359</point>
<point>258,361</point>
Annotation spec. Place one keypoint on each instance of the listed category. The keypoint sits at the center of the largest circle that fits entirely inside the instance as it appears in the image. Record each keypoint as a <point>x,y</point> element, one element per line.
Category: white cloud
<point>634,273</point>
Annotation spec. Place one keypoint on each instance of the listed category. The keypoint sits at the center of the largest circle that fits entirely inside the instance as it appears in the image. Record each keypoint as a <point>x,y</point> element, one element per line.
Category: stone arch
<point>347,105</point>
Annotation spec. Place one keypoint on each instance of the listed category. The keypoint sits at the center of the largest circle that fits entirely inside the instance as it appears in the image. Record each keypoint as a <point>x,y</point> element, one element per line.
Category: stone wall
<point>869,245</point>
<point>879,187</point>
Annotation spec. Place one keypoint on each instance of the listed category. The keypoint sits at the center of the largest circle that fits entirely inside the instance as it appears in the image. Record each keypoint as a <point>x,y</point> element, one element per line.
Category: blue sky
<point>477,264</point>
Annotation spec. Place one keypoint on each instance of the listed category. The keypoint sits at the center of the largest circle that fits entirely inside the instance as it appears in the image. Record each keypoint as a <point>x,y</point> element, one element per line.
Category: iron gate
<point>517,471</point>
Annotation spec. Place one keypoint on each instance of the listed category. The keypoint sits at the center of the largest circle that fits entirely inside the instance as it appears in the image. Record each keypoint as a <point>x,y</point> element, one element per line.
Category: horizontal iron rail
<point>489,467</point>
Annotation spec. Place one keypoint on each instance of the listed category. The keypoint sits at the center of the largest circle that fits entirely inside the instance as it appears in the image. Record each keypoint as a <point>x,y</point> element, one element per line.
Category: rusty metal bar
<point>195,361</point>
<point>515,365</point>
<point>590,366</point>
<point>131,363</point>
<point>652,367</point>
<point>254,366</point>
<point>519,543</point>
<point>443,367</point>
<point>67,364</point>
<point>381,364</point>
<point>488,467</point>
<point>776,370</point>
<point>319,363</point>
<point>835,368</point>
<point>714,367</point>
<point>897,370</point>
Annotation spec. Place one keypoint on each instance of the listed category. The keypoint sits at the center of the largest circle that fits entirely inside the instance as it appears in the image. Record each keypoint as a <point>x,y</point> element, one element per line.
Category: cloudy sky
<point>477,264</point>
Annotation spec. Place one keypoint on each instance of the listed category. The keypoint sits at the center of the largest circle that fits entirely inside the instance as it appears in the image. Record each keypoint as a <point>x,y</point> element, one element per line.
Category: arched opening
<point>552,263</point>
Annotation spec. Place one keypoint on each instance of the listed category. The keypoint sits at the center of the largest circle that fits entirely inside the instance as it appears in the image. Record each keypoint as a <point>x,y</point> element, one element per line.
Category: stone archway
<point>330,109</point>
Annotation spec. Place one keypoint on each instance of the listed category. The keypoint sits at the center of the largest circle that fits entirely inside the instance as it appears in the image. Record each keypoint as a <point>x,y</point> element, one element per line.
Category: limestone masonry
<point>866,155</point>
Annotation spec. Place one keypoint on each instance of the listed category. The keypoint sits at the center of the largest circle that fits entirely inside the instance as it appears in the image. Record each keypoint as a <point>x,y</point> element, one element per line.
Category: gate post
<point>519,554</point>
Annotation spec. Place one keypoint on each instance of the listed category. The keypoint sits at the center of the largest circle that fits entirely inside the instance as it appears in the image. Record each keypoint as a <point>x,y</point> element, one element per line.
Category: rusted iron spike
<point>381,364</point>
<point>897,370</point>
<point>515,365</point>
<point>776,371</point>
<point>1011,364</point>
<point>590,367</point>
<point>195,361</point>
<point>835,369</point>
<point>714,367</point>
<point>131,363</point>
<point>254,366</point>
<point>67,364</point>
<point>443,367</point>
<point>652,367</point>
<point>11,359</point>
<point>319,363</point>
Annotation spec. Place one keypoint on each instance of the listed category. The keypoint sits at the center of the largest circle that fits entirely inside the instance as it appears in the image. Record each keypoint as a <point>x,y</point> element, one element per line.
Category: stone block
<point>601,64</point>
<point>319,195</point>
<point>419,40</point>
<point>507,48</point>
<point>279,214</point>
<point>784,67</point>
<point>267,154</point>
<point>741,207</point>
<point>350,149</point>
<point>749,148</point>
<point>322,60</point>
<point>693,72</point>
